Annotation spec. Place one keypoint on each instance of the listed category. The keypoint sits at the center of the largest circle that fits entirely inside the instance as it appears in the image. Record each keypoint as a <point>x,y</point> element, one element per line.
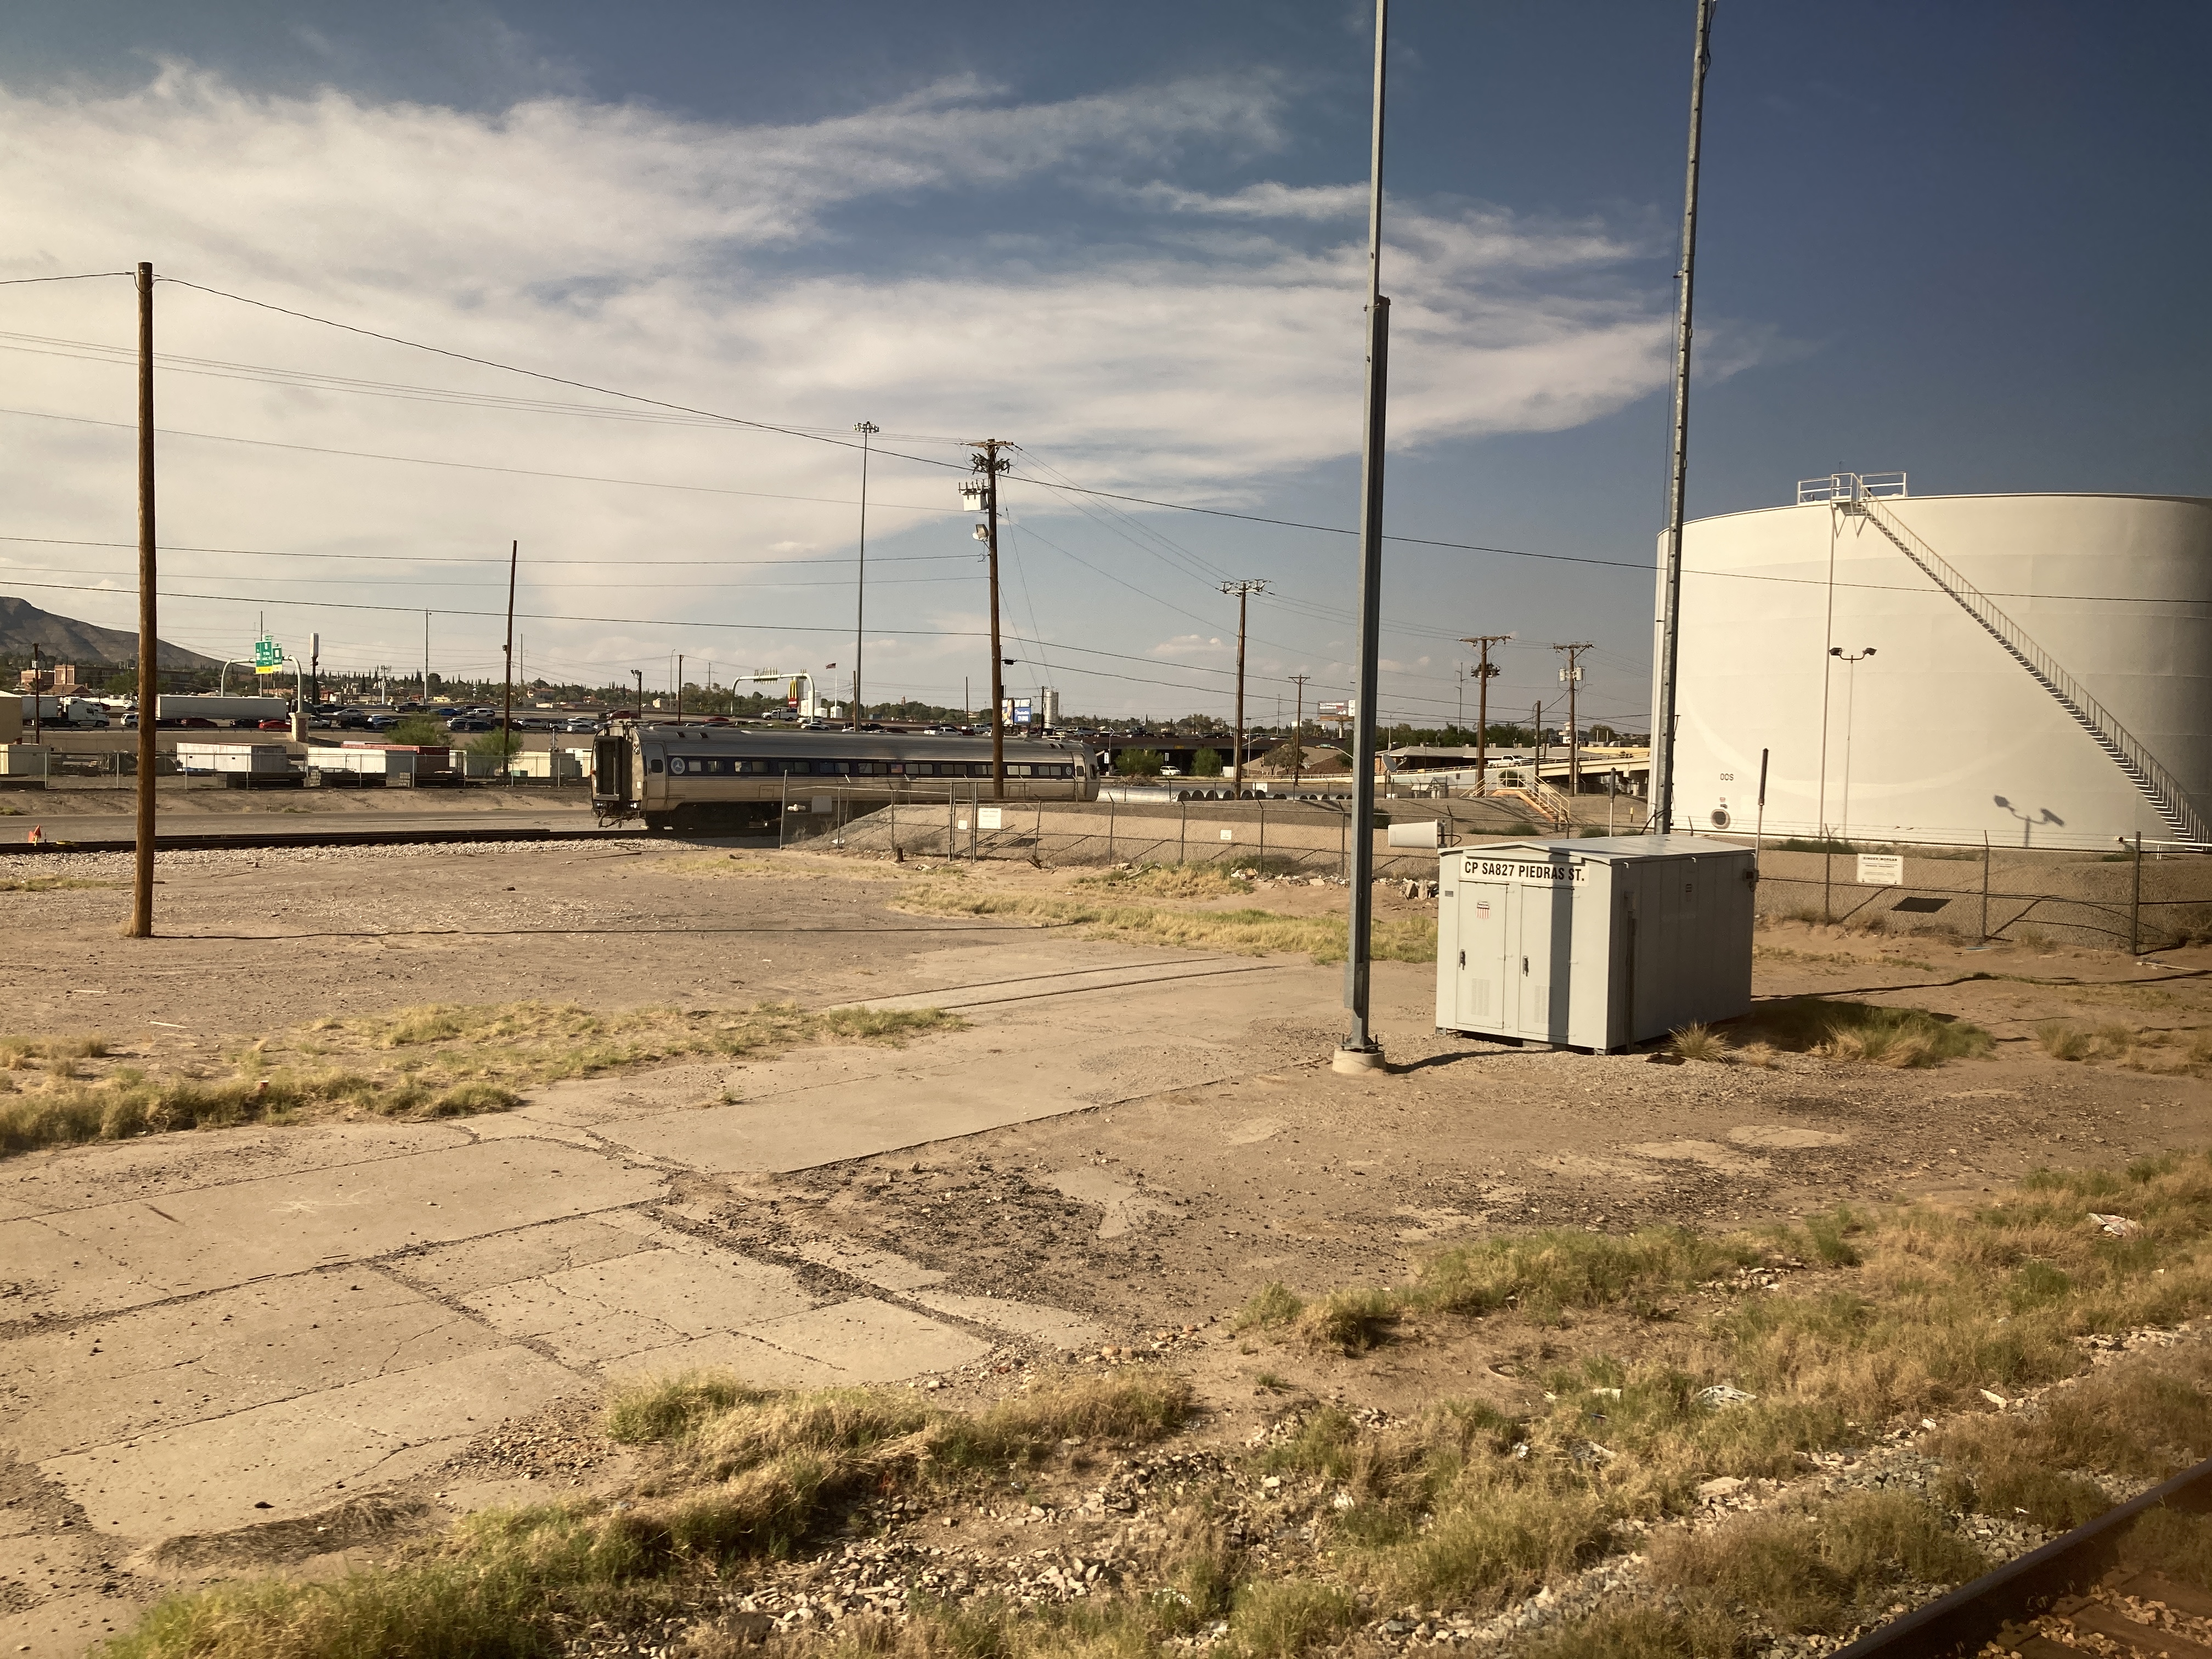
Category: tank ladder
<point>2151,780</point>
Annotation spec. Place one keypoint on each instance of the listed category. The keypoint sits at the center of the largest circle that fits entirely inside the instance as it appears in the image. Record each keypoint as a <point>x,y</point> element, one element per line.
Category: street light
<point>1850,692</point>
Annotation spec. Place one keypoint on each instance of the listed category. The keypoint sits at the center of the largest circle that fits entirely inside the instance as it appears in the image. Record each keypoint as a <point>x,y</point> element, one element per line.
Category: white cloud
<point>772,271</point>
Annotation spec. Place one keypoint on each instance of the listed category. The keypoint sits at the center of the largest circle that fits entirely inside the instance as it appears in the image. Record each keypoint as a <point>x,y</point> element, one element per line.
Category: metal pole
<point>1663,725</point>
<point>507,651</point>
<point>38,701</point>
<point>425,659</point>
<point>1758,835</point>
<point>1182,833</point>
<point>1985,883</point>
<point>867,429</point>
<point>1298,734</point>
<point>680,689</point>
<point>150,639</point>
<point>1359,1051</point>
<point>2135,904</point>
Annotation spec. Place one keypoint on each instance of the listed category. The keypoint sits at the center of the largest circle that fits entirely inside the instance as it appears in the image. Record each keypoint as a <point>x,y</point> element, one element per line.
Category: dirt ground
<point>1168,1138</point>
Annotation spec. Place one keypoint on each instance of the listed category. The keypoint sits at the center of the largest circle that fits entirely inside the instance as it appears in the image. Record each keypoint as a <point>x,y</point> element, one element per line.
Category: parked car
<point>585,725</point>
<point>275,726</point>
<point>465,723</point>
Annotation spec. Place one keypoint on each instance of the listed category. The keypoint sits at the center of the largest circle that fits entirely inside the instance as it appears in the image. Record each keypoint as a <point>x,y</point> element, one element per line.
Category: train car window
<point>1017,771</point>
<point>652,765</point>
<point>979,769</point>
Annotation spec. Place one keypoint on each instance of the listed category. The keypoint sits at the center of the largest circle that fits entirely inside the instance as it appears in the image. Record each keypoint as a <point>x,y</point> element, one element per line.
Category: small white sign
<point>1229,835</point>
<point>1881,870</point>
<point>990,817</point>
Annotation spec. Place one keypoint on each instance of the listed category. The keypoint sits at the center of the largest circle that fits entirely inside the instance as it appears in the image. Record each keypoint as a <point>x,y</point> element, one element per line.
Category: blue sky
<point>1967,240</point>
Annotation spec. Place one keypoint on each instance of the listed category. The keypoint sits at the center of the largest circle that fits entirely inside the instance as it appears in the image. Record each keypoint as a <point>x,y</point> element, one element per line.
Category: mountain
<point>64,639</point>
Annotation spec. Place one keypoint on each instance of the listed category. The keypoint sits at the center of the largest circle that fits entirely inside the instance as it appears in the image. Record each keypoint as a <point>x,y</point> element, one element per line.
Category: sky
<point>641,270</point>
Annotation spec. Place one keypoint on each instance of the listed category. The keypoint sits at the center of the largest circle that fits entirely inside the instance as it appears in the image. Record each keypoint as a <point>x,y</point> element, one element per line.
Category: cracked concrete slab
<point>161,1367</point>
<point>880,1269</point>
<point>299,1454</point>
<point>215,1236</point>
<point>1041,1324</point>
<point>869,1341</point>
<point>1122,1207</point>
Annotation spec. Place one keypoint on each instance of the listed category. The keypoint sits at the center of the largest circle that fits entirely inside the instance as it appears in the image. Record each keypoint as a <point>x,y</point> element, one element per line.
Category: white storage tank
<point>1598,943</point>
<point>2036,668</point>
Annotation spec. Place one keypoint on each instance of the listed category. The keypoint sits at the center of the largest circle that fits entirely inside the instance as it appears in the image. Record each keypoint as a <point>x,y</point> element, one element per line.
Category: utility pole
<point>426,659</point>
<point>1243,591</point>
<point>1359,1052</point>
<point>640,673</point>
<point>1483,675</point>
<point>507,651</point>
<point>38,700</point>
<point>1572,674</point>
<point>1670,619</point>
<point>679,688</point>
<point>991,464</point>
<point>1538,717</point>
<point>867,429</point>
<point>1298,733</point>
<point>315,667</point>
<point>150,639</point>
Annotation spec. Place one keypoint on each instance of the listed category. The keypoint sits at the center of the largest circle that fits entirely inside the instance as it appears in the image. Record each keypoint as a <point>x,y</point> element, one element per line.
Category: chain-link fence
<point>2128,900</point>
<point>1309,837</point>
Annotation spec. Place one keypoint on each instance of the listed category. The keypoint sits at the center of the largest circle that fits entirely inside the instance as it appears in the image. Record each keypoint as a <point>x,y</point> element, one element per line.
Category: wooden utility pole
<point>506,709</point>
<point>867,429</point>
<point>1243,591</point>
<point>1298,733</point>
<point>991,464</point>
<point>38,699</point>
<point>149,640</point>
<point>680,689</point>
<point>1483,675</point>
<point>1572,674</point>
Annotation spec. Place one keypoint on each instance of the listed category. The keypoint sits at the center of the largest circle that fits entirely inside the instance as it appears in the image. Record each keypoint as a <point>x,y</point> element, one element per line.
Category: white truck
<point>61,711</point>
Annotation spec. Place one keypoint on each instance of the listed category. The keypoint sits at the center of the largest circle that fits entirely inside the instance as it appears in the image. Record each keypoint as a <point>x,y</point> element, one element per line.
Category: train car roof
<point>834,742</point>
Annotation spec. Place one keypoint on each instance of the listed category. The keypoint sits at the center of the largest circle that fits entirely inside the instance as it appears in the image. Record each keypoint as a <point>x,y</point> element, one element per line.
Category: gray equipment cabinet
<point>1599,945</point>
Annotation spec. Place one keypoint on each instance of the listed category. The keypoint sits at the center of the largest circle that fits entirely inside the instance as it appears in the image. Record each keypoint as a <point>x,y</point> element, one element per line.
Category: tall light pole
<point>1670,614</point>
<point>1243,591</point>
<point>150,641</point>
<point>1850,702</point>
<point>1359,1051</point>
<point>867,429</point>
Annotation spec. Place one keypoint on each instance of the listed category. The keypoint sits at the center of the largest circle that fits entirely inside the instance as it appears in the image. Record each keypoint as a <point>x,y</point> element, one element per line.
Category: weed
<point>1272,1304</point>
<point>1867,1032</point>
<point>1274,1381</point>
<point>1543,1272</point>
<point>1282,1619</point>
<point>2062,1039</point>
<point>1247,933</point>
<point>1351,1322</point>
<point>1697,1042</point>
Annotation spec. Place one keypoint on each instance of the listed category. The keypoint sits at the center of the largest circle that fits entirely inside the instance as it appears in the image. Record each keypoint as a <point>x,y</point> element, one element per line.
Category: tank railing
<point>2159,785</point>
<point>1849,487</point>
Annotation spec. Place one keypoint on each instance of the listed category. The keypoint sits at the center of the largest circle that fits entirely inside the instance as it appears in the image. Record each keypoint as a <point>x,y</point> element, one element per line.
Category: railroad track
<point>255,840</point>
<point>2078,1594</point>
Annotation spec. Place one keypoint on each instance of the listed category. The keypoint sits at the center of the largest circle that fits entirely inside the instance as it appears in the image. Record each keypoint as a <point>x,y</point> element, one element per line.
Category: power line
<point>77,277</point>
<point>451,558</point>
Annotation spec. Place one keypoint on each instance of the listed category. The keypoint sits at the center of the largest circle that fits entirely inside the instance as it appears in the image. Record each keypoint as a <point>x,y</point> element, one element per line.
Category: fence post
<point>951,819</point>
<point>1986,886</point>
<point>1183,834</point>
<point>1263,836</point>
<point>1110,829</point>
<point>2135,904</point>
<point>783,813</point>
<point>1343,846</point>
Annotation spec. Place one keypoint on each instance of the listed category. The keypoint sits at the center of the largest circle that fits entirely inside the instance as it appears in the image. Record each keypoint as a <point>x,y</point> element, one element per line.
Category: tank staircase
<point>2142,768</point>
<point>1547,802</point>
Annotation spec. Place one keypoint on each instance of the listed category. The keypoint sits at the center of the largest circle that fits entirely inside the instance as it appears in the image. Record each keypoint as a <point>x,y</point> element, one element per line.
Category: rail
<point>2151,778</point>
<point>1979,1612</point>
<point>1849,486</point>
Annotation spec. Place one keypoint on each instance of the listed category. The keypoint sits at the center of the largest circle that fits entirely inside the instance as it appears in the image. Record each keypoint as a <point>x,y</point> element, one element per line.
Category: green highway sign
<point>268,655</point>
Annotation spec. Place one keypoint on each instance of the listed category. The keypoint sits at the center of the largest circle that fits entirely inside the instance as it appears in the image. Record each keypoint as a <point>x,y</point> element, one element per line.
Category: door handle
<point>1462,959</point>
<point>1524,964</point>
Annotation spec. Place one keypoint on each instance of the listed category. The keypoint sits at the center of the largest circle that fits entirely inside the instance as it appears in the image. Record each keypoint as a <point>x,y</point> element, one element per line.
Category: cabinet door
<point>1484,947</point>
<point>1544,961</point>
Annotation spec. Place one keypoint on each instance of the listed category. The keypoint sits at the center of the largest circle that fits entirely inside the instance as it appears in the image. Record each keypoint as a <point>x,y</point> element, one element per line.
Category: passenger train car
<point>735,778</point>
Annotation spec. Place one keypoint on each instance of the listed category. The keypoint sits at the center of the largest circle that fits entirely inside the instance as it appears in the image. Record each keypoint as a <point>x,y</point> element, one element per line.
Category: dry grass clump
<point>1273,1303</point>
<point>49,884</point>
<point>1544,1273</point>
<point>432,1061</point>
<point>742,1473</point>
<point>2136,1049</point>
<point>1182,881</point>
<point>1802,1573</point>
<point>1866,1032</point>
<point>1245,932</point>
<point>1699,1042</point>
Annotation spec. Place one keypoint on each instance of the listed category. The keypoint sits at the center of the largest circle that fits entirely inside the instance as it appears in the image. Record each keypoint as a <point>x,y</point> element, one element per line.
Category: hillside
<point>64,639</point>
